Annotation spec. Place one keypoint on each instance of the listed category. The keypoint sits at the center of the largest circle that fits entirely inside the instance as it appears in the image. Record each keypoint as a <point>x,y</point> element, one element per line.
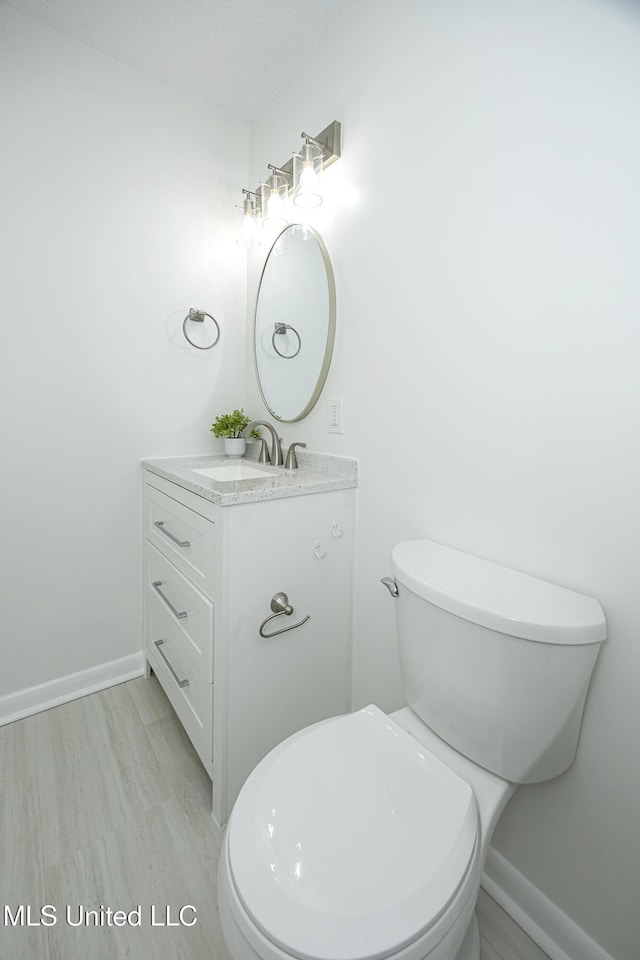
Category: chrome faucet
<point>276,447</point>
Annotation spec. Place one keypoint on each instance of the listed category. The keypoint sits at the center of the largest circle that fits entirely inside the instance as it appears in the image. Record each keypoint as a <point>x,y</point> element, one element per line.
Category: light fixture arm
<point>311,139</point>
<point>328,140</point>
<point>279,170</point>
<point>249,205</point>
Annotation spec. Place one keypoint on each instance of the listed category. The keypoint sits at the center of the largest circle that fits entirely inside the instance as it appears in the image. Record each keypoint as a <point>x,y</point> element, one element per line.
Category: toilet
<point>364,836</point>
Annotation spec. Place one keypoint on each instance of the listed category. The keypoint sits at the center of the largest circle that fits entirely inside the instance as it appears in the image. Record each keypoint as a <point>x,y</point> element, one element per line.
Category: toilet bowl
<point>405,820</point>
<point>364,836</point>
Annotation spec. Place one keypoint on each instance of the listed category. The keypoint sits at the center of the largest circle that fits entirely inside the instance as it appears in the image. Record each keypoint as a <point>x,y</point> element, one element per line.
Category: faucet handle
<point>263,456</point>
<point>291,463</point>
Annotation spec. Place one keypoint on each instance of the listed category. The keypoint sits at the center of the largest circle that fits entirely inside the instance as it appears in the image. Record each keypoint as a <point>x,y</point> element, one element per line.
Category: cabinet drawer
<point>182,535</point>
<point>172,601</point>
<point>190,695</point>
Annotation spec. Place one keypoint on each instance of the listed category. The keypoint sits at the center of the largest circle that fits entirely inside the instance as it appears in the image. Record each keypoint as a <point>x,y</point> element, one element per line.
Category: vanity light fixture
<point>298,177</point>
<point>274,197</point>
<point>249,234</point>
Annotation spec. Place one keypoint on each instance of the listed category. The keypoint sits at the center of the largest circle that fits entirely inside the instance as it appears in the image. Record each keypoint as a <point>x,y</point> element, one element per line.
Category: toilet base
<point>470,949</point>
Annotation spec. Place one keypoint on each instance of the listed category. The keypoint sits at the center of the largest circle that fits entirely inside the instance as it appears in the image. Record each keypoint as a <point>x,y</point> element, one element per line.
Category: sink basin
<point>226,472</point>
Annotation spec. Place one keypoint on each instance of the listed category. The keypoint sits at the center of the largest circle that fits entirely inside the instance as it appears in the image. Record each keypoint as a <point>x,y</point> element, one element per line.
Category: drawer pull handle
<point>181,683</point>
<point>179,614</point>
<point>160,525</point>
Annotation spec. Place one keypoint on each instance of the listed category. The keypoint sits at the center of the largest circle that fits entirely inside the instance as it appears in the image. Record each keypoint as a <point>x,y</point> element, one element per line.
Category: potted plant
<point>230,426</point>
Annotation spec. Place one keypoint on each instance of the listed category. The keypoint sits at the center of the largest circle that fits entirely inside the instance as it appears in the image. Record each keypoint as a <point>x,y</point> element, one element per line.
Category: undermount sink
<point>226,472</point>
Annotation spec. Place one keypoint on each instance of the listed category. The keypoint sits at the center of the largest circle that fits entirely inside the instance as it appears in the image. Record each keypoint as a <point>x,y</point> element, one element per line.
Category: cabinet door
<point>190,614</point>
<point>190,694</point>
<point>182,535</point>
<point>178,634</point>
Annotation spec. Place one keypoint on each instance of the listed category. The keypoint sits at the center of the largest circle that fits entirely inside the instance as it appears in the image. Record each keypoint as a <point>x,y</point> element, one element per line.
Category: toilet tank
<point>496,662</point>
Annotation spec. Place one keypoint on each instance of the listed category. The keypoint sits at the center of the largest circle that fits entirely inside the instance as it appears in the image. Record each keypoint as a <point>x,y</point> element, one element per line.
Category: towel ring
<point>198,317</point>
<point>282,328</point>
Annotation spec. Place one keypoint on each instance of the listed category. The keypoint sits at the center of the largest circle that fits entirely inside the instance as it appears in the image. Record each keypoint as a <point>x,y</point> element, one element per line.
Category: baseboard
<point>15,706</point>
<point>553,931</point>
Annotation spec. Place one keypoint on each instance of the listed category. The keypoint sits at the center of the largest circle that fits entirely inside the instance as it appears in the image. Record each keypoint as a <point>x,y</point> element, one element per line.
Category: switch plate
<point>334,416</point>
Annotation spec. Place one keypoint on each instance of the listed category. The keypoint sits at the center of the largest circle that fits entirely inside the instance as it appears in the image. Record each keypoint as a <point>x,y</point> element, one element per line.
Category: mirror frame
<point>331,328</point>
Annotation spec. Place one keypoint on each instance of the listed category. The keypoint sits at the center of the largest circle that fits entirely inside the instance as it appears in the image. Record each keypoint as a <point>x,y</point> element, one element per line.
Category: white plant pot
<point>235,446</point>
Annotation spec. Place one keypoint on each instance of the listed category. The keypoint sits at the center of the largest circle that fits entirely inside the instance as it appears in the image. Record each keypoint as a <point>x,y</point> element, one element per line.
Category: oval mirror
<point>294,323</point>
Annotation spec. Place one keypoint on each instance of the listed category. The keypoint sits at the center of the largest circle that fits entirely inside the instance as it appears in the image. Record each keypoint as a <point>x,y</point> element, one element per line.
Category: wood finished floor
<point>104,804</point>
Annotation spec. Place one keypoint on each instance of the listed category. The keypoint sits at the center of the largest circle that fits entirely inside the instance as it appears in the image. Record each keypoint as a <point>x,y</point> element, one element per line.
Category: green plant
<point>232,424</point>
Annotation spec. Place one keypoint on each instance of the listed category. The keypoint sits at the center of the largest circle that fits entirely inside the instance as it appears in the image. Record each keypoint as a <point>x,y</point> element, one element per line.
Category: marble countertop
<point>317,473</point>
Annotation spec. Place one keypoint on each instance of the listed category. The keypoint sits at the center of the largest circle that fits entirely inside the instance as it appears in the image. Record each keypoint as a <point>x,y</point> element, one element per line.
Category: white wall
<point>485,235</point>
<point>117,201</point>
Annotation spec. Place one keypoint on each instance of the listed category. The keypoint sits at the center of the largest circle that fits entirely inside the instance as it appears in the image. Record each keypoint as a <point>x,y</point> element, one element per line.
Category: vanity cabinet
<point>210,572</point>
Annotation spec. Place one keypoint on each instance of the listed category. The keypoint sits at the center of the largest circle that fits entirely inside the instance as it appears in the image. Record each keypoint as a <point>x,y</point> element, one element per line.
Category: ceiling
<point>235,54</point>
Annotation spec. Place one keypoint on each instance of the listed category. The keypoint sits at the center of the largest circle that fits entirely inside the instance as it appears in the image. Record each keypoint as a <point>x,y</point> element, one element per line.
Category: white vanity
<point>216,552</point>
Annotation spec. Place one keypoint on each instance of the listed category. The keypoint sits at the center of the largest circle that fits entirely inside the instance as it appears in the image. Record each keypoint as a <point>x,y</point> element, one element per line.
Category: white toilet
<point>365,836</point>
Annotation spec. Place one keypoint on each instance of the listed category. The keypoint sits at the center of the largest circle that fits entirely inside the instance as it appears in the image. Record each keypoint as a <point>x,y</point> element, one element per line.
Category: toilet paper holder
<point>281,607</point>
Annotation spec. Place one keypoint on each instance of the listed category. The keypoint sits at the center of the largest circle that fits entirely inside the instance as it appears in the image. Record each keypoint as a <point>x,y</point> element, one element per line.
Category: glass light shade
<point>249,235</point>
<point>307,170</point>
<point>273,194</point>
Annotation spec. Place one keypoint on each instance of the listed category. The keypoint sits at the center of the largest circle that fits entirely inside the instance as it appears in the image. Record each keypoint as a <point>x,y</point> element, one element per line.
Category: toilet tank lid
<point>496,597</point>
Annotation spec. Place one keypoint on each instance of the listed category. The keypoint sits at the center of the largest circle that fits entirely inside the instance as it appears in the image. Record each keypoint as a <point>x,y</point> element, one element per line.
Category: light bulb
<point>249,236</point>
<point>307,167</point>
<point>273,194</point>
<point>308,178</point>
<point>274,205</point>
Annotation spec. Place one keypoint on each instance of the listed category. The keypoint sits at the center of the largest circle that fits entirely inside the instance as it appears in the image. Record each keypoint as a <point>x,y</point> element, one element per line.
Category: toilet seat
<point>350,840</point>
